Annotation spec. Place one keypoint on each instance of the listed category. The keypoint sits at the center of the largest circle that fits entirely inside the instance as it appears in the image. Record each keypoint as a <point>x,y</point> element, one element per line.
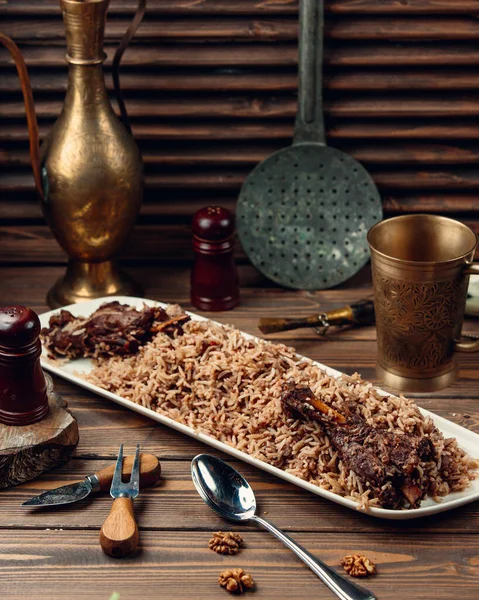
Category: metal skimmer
<point>304,212</point>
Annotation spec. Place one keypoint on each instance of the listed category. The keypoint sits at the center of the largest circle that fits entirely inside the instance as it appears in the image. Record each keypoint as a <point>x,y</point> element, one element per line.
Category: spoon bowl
<point>223,488</point>
<point>230,495</point>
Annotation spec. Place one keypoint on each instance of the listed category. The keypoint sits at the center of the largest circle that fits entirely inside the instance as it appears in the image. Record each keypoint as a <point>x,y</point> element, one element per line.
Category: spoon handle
<point>342,587</point>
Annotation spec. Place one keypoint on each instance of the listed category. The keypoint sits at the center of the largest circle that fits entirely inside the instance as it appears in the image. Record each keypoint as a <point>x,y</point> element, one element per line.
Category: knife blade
<point>150,471</point>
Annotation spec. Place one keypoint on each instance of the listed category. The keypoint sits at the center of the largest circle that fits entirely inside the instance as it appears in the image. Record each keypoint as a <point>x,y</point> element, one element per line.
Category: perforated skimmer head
<point>304,212</point>
<point>303,215</point>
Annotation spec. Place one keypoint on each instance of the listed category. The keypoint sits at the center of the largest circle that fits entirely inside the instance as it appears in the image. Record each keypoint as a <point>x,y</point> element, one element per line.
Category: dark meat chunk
<point>302,401</point>
<point>387,462</point>
<point>113,329</point>
<point>63,318</point>
<point>65,335</point>
<point>171,324</point>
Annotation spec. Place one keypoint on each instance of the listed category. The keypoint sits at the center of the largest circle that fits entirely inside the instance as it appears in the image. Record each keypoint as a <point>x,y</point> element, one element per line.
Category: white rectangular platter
<point>468,440</point>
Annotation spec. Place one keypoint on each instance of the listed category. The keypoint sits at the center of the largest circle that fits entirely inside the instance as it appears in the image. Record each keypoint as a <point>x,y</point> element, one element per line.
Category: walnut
<point>236,580</point>
<point>358,565</point>
<point>226,542</point>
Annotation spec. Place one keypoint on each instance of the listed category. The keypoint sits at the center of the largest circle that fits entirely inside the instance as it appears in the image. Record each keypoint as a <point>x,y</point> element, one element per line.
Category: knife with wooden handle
<point>150,471</point>
<point>355,314</point>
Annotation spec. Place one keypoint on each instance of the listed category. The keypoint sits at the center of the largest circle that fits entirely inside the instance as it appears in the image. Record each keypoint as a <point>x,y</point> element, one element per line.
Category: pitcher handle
<point>126,39</point>
<point>29,108</point>
<point>471,268</point>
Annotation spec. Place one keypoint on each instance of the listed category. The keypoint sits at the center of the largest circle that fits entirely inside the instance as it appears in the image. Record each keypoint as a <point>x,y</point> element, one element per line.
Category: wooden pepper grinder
<point>214,278</point>
<point>23,389</point>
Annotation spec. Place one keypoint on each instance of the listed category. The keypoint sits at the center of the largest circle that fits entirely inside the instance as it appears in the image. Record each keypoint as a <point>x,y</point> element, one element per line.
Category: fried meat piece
<point>389,463</point>
<point>113,329</point>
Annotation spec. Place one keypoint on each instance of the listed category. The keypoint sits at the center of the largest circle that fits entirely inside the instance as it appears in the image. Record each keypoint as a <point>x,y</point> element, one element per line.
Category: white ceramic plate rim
<point>468,440</point>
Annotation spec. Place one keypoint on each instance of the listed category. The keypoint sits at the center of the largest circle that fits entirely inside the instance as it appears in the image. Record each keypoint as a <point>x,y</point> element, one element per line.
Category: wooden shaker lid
<point>19,327</point>
<point>213,223</point>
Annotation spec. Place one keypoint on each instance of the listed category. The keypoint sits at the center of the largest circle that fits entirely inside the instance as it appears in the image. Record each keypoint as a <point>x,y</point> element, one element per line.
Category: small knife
<point>356,314</point>
<point>150,471</point>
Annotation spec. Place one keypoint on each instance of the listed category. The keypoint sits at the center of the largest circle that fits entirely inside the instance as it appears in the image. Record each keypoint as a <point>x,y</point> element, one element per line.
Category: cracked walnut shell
<point>226,542</point>
<point>358,565</point>
<point>236,580</point>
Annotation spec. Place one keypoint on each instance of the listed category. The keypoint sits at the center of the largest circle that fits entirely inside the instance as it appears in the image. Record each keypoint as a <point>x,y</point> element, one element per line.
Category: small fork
<point>119,535</point>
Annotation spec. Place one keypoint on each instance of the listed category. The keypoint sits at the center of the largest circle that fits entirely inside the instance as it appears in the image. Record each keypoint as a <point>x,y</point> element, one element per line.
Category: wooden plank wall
<point>211,89</point>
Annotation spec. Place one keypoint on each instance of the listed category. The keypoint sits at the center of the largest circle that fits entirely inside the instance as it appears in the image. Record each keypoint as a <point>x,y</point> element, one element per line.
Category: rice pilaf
<point>215,380</point>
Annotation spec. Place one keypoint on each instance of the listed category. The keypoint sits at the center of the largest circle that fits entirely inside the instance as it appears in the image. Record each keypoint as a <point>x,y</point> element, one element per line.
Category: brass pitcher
<point>88,172</point>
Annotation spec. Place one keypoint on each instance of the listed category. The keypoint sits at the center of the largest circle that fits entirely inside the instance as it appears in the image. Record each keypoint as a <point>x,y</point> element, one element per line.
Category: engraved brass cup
<point>421,266</point>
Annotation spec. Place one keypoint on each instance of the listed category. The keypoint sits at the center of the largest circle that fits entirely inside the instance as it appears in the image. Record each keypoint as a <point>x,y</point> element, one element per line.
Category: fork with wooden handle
<point>119,534</point>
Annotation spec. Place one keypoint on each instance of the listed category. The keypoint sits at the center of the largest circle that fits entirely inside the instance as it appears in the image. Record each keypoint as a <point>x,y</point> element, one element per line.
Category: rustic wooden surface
<point>211,89</point>
<point>28,451</point>
<point>55,554</point>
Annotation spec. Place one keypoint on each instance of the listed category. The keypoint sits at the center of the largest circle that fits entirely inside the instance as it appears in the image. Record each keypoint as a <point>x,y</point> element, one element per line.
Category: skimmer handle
<point>342,587</point>
<point>309,126</point>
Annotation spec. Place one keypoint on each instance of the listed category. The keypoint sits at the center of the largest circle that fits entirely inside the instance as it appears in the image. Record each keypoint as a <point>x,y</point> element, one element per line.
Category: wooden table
<point>55,553</point>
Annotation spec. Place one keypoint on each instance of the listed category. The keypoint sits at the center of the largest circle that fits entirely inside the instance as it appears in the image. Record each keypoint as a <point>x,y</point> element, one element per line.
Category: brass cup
<point>421,266</point>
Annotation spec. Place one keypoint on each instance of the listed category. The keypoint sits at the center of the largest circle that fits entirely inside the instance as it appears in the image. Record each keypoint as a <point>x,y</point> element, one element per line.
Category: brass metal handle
<point>29,109</point>
<point>471,268</point>
<point>129,34</point>
<point>467,346</point>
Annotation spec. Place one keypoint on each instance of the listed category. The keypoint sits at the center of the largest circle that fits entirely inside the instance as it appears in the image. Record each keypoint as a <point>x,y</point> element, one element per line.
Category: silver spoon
<point>230,495</point>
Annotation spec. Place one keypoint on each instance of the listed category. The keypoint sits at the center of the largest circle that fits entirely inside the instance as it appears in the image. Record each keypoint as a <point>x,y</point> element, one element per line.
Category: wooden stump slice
<point>26,452</point>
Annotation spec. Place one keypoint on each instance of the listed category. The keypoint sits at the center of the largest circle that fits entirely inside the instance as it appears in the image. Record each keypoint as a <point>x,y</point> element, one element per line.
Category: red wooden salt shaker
<point>23,389</point>
<point>214,279</point>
